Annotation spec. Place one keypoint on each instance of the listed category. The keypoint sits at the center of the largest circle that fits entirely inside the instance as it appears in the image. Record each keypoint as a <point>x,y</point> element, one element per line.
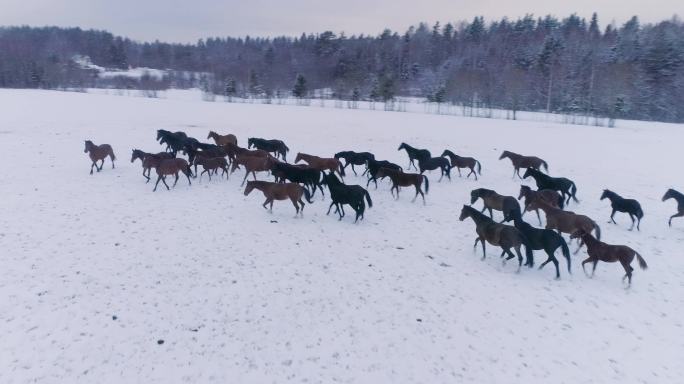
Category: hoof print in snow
<point>419,320</point>
<point>114,317</point>
<point>116,244</point>
<point>274,221</point>
<point>400,247</point>
<point>160,341</point>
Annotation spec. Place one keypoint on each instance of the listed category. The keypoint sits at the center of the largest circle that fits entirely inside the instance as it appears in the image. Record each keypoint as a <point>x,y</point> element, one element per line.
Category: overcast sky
<point>189,20</point>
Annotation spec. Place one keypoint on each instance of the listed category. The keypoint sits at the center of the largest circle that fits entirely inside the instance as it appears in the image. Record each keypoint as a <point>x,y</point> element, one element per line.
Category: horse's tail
<point>368,198</point>
<point>545,165</point>
<point>561,202</point>
<point>598,231</point>
<point>111,154</point>
<point>479,167</point>
<point>427,183</point>
<point>566,251</point>
<point>573,191</point>
<point>642,262</point>
<point>307,195</point>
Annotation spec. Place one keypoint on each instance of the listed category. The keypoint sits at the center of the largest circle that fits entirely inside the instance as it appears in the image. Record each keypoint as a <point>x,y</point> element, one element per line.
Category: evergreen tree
<point>299,91</point>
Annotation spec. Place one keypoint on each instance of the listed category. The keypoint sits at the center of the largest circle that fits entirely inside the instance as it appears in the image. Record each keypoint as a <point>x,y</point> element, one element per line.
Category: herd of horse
<point>309,174</point>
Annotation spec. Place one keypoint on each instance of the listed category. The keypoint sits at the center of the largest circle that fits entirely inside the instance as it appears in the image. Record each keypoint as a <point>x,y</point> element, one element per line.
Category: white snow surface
<point>397,298</point>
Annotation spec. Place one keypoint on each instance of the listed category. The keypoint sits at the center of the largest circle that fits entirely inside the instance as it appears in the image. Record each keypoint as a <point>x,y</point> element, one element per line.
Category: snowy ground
<point>238,298</point>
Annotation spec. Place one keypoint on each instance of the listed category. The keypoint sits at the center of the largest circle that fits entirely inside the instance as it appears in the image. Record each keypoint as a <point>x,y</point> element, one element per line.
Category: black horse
<point>341,194</point>
<point>374,166</point>
<point>354,158</point>
<point>174,140</point>
<point>276,147</point>
<point>620,204</point>
<point>310,177</point>
<point>560,184</point>
<point>543,239</point>
<point>679,197</point>
<point>414,154</point>
<point>432,163</point>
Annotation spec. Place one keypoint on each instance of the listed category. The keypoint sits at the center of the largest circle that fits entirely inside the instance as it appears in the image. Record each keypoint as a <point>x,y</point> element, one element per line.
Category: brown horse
<point>459,162</point>
<point>491,200</point>
<point>280,191</point>
<point>520,161</point>
<point>234,151</point>
<point>564,221</point>
<point>609,253</point>
<point>504,236</point>
<point>401,179</point>
<point>253,165</point>
<point>222,140</point>
<point>321,163</point>
<point>212,164</point>
<point>167,167</point>
<point>679,198</point>
<point>149,160</point>
<point>98,153</point>
<point>549,196</point>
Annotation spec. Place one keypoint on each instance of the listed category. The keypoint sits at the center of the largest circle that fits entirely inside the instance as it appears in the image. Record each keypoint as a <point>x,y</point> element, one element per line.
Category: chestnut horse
<point>549,196</point>
<point>401,179</point>
<point>222,140</point>
<point>321,163</point>
<point>149,160</point>
<point>167,167</point>
<point>520,161</point>
<point>600,251</point>
<point>280,191</point>
<point>459,162</point>
<point>98,153</point>
<point>564,221</point>
<point>253,165</point>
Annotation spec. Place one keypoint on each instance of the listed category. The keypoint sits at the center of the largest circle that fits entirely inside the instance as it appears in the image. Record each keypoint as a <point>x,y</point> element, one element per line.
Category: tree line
<point>568,65</point>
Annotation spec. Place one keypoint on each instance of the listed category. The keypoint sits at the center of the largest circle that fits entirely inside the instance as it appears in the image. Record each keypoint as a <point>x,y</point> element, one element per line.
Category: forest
<point>569,65</point>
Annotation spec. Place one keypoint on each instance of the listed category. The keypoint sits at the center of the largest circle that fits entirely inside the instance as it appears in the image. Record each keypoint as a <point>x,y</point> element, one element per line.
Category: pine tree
<point>299,91</point>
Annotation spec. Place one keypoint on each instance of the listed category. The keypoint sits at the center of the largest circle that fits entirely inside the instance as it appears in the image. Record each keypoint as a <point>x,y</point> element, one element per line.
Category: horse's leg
<point>353,170</point>
<point>484,251</point>
<point>164,181</point>
<point>245,178</point>
<point>628,272</point>
<point>517,171</point>
<point>330,207</point>
<point>459,172</point>
<point>200,177</point>
<point>294,202</point>
<point>175,181</point>
<point>538,216</point>
<point>593,267</point>
<point>95,165</point>
<point>254,175</point>
<point>491,213</point>
<point>633,222</point>
<point>476,240</point>
<point>612,219</point>
<point>638,223</point>
<point>157,183</point>
<point>266,203</point>
<point>520,258</point>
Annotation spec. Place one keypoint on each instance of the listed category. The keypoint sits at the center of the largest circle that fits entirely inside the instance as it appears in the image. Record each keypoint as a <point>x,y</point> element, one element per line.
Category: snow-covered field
<point>97,269</point>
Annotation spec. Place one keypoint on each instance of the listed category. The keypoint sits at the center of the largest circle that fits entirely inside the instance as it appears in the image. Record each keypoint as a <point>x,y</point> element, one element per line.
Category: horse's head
<point>669,194</point>
<point>298,157</point>
<point>445,153</point>
<point>401,146</point>
<point>211,134</point>
<point>159,134</point>
<point>578,234</point>
<point>504,155</point>
<point>524,191</point>
<point>137,154</point>
<point>605,194</point>
<point>529,172</point>
<point>250,187</point>
<point>474,195</point>
<point>88,145</point>
<point>465,212</point>
<point>340,154</point>
<point>250,142</point>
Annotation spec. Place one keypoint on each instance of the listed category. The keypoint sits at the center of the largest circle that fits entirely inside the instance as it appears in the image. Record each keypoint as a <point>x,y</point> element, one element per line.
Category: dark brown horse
<point>679,198</point>
<point>564,221</point>
<point>520,161</point>
<point>166,167</point>
<point>459,162</point>
<point>608,253</point>
<point>321,163</point>
<point>491,200</point>
<point>149,160</point>
<point>222,140</point>
<point>253,165</point>
<point>401,179</point>
<point>504,236</point>
<point>549,196</point>
<point>234,150</point>
<point>98,153</point>
<point>280,191</point>
<point>212,164</point>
